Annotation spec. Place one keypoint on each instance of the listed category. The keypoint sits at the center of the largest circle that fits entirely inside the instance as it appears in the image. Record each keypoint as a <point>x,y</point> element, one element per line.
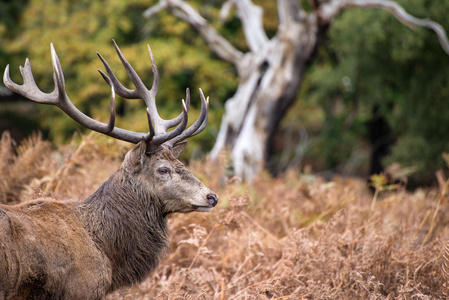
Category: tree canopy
<point>372,66</point>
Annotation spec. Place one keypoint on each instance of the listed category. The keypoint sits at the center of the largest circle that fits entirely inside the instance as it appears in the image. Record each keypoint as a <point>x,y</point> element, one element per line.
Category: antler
<point>158,127</point>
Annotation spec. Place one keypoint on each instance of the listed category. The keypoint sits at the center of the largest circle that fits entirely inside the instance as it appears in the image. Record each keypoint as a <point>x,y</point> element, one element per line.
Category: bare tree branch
<point>403,17</point>
<point>155,9</point>
<point>289,12</point>
<point>326,12</point>
<point>187,13</point>
<point>251,17</point>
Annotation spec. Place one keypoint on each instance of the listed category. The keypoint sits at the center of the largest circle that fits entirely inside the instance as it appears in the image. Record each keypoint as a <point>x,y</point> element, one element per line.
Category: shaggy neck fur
<point>129,225</point>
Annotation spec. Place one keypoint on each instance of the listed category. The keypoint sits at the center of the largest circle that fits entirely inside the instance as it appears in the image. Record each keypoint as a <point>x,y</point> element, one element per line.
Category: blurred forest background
<point>375,88</point>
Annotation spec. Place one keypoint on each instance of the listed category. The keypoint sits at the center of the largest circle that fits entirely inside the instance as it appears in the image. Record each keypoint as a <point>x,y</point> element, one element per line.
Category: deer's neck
<point>128,225</point>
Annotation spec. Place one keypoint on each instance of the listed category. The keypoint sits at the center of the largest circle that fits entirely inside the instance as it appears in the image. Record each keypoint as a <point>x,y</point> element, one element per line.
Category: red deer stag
<point>117,236</point>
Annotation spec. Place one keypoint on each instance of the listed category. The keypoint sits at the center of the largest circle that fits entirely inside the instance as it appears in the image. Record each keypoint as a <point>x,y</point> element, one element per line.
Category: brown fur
<point>115,237</point>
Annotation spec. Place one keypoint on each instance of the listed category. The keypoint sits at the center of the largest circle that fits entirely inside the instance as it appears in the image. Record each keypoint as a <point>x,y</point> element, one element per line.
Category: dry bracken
<point>292,237</point>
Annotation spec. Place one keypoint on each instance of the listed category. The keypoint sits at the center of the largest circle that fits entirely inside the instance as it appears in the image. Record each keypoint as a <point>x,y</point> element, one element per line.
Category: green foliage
<point>79,29</point>
<point>372,61</point>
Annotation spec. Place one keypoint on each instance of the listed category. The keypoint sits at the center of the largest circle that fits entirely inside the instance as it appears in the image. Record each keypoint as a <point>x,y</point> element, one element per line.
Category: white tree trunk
<point>271,72</point>
<point>255,109</point>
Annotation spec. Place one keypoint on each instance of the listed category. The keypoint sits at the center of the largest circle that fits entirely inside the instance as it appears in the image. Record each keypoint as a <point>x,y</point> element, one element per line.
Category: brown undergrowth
<point>296,236</point>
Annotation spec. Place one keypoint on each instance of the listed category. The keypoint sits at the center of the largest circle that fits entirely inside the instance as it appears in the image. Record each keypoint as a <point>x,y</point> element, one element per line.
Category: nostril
<point>213,199</point>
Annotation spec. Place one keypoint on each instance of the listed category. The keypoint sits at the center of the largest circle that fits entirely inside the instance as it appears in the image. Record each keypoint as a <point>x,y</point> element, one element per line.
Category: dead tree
<point>85,249</point>
<point>271,72</point>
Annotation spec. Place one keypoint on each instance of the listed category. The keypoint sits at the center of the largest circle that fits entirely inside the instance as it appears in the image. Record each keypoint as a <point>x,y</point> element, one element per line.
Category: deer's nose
<point>213,199</point>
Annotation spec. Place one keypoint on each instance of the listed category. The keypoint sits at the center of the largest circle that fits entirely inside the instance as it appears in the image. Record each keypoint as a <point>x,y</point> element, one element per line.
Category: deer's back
<point>46,253</point>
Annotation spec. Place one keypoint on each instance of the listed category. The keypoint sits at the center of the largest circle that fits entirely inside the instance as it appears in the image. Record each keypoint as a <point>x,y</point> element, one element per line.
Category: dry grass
<point>292,237</point>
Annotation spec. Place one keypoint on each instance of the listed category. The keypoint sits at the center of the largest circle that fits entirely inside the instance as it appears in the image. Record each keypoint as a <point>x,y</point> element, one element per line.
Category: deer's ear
<point>136,156</point>
<point>179,148</point>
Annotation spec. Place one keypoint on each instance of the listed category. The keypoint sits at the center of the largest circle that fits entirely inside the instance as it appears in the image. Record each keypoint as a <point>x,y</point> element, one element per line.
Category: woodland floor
<point>296,236</point>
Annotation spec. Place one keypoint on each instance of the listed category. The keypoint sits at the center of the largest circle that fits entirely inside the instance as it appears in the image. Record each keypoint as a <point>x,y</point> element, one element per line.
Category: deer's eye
<point>163,171</point>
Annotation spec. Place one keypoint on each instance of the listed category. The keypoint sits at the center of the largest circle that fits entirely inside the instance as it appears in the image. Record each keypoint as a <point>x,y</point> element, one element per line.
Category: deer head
<point>166,179</point>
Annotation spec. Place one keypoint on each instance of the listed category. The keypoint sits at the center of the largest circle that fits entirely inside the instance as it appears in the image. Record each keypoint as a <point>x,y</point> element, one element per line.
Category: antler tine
<point>111,123</point>
<point>165,124</point>
<point>155,86</point>
<point>58,75</point>
<point>141,90</point>
<point>29,88</point>
<point>204,123</point>
<point>159,126</point>
<point>199,124</point>
<point>122,91</point>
